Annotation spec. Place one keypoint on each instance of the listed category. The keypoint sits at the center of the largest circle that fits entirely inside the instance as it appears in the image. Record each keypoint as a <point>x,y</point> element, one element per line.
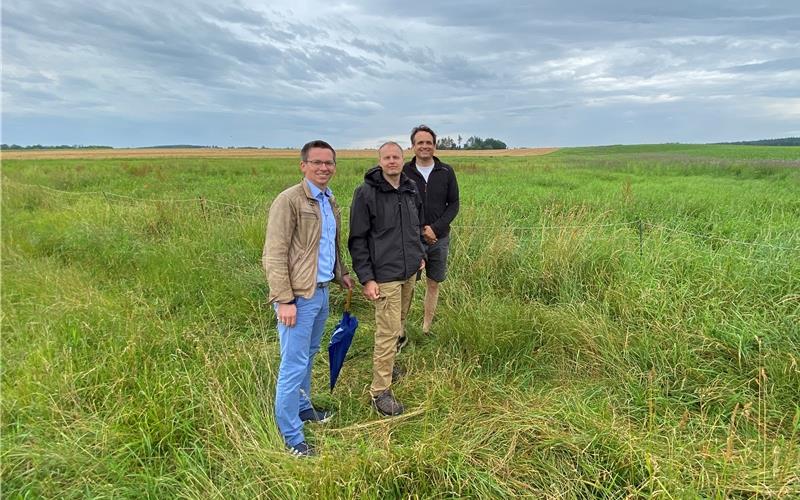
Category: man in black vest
<point>437,185</point>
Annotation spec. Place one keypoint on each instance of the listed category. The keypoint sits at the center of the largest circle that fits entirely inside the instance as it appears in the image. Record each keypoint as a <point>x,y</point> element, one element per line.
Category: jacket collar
<point>437,163</point>
<point>315,191</point>
<point>310,195</point>
<point>375,177</point>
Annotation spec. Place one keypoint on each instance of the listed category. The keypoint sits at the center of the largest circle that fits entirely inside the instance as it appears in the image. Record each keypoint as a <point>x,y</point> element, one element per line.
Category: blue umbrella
<point>341,338</point>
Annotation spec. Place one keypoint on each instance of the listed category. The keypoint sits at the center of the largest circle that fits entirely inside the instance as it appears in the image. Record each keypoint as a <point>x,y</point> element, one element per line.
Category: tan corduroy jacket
<point>291,248</point>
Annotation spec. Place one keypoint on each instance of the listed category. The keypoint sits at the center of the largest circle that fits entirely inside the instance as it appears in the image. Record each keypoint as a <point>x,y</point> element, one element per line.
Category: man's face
<point>391,160</point>
<point>320,167</point>
<point>424,147</point>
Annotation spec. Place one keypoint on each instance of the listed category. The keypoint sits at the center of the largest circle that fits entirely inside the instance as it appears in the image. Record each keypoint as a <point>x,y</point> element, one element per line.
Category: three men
<point>437,185</point>
<point>301,257</point>
<point>386,247</point>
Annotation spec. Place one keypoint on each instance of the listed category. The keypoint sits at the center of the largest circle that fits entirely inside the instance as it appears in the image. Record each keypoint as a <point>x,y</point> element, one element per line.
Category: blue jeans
<point>299,344</point>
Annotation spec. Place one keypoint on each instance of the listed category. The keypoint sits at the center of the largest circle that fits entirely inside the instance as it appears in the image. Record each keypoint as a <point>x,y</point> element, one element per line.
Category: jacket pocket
<point>308,226</point>
<point>413,214</point>
<point>387,217</point>
<point>308,215</point>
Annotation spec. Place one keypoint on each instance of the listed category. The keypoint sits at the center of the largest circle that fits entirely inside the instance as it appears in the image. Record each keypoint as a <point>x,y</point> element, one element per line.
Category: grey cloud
<point>780,65</point>
<point>527,72</point>
<point>554,26</point>
<point>521,12</point>
<point>423,63</point>
<point>385,49</point>
<point>792,91</point>
<point>458,69</point>
<point>328,62</point>
<point>524,110</point>
<point>239,15</point>
<point>186,46</point>
<point>143,38</point>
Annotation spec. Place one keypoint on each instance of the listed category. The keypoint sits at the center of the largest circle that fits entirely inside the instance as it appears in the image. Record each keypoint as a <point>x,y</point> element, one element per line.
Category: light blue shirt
<point>327,242</point>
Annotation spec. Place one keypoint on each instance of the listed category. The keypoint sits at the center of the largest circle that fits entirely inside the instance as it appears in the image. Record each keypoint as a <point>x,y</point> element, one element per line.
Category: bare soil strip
<point>238,153</point>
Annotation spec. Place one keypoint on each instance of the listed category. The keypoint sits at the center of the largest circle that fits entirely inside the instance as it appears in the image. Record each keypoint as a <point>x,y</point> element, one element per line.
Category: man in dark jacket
<point>386,246</point>
<point>437,185</point>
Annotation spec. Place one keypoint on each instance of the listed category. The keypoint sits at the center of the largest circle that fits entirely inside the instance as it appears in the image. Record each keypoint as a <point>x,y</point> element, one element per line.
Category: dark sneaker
<point>315,415</point>
<point>386,405</point>
<point>402,341</point>
<point>398,373</point>
<point>302,450</point>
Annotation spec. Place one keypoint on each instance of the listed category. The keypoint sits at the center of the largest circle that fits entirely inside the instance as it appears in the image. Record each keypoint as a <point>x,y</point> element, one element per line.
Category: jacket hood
<point>374,177</point>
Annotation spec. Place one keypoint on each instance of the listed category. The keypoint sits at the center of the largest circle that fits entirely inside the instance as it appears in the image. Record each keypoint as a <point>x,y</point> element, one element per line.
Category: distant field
<point>617,322</point>
<point>235,153</point>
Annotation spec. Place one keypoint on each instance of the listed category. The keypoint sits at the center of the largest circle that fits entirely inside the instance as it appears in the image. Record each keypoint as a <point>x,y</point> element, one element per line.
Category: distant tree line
<point>473,142</point>
<point>63,146</point>
<point>785,141</point>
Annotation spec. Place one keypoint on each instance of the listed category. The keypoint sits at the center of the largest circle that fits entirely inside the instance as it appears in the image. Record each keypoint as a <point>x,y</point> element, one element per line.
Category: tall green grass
<point>616,322</point>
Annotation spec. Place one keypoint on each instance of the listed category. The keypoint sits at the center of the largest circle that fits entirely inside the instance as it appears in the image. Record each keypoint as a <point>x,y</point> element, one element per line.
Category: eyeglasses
<point>319,163</point>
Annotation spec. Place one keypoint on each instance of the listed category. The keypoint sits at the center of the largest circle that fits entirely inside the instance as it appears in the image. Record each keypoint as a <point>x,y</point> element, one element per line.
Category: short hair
<point>316,144</point>
<point>390,143</point>
<point>422,128</point>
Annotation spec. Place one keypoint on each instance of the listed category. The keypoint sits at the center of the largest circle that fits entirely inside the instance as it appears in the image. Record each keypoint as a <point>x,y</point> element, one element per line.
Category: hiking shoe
<point>402,341</point>
<point>314,415</point>
<point>302,450</point>
<point>386,404</point>
<point>398,373</point>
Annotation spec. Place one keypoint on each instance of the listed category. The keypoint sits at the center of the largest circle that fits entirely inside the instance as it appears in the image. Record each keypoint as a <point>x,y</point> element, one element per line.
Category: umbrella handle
<point>347,302</point>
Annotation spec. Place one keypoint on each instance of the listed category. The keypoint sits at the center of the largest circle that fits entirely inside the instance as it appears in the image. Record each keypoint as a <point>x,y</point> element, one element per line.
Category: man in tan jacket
<point>301,257</point>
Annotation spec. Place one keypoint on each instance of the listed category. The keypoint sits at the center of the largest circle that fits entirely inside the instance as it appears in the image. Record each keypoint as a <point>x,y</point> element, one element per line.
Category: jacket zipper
<point>315,203</point>
<point>425,184</point>
<point>402,233</point>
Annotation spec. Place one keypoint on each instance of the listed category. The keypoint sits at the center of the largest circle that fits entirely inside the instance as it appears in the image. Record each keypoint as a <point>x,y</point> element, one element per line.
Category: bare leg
<point>431,299</point>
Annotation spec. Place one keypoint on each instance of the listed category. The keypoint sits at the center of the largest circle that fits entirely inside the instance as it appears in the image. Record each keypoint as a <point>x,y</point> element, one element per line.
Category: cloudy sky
<point>279,73</point>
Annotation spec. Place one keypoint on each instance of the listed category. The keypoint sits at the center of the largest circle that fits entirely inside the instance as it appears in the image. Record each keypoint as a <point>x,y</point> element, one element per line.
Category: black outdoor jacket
<point>385,229</point>
<point>439,194</point>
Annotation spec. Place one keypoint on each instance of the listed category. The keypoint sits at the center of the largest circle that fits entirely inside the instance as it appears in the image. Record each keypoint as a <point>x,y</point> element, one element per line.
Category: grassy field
<point>618,322</point>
